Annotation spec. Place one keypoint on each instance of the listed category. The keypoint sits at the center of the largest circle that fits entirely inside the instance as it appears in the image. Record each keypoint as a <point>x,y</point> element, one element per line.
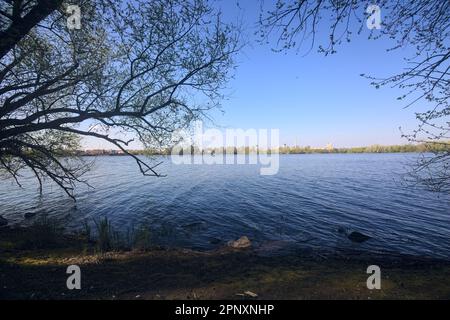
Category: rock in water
<point>29,215</point>
<point>215,241</point>
<point>358,237</point>
<point>3,222</point>
<point>242,242</point>
<point>341,230</point>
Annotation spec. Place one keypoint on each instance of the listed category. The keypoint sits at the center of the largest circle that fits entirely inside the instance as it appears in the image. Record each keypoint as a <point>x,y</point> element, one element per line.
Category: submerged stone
<point>3,222</point>
<point>358,237</point>
<point>29,215</point>
<point>215,241</point>
<point>341,230</point>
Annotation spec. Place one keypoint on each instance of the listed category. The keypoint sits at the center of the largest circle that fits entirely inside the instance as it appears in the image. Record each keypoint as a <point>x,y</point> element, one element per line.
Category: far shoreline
<point>430,147</point>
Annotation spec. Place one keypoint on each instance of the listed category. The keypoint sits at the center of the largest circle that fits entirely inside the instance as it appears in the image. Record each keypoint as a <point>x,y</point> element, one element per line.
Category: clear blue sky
<point>313,100</point>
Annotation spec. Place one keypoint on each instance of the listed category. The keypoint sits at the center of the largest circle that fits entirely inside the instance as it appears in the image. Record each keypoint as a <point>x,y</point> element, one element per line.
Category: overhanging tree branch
<point>21,24</point>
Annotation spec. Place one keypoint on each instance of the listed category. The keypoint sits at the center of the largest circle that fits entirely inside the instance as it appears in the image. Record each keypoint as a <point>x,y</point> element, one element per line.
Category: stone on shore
<point>242,242</point>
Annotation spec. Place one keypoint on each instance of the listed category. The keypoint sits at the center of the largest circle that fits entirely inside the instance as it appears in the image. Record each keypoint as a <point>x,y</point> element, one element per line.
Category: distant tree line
<point>417,148</point>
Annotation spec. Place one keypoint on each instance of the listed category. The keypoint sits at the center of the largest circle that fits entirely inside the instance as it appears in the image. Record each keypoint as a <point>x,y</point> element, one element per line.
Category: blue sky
<point>313,100</point>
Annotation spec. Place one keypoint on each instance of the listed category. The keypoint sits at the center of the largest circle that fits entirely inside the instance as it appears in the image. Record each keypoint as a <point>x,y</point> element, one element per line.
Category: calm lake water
<point>305,204</point>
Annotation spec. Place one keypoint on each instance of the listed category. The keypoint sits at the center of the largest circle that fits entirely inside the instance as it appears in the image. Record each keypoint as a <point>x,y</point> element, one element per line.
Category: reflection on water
<point>307,203</point>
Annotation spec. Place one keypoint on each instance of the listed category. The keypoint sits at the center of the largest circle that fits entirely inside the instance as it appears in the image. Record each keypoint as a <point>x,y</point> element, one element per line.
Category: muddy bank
<point>38,271</point>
